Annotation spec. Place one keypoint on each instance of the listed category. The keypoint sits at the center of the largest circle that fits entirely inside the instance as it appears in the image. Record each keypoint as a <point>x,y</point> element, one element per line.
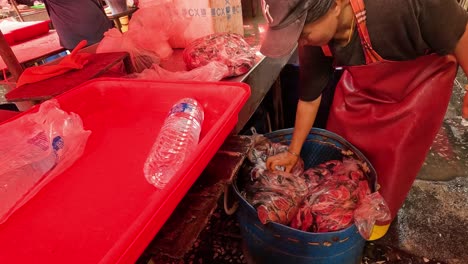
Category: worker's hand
<point>465,104</point>
<point>285,159</point>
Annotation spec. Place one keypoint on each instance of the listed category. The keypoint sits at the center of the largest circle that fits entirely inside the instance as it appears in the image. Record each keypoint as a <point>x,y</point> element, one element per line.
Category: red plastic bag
<point>213,71</point>
<point>73,61</point>
<point>227,48</point>
<point>35,148</point>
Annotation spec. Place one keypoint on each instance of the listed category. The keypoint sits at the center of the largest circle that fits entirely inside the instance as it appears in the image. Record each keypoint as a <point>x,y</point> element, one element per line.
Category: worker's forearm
<point>305,117</point>
<point>461,51</point>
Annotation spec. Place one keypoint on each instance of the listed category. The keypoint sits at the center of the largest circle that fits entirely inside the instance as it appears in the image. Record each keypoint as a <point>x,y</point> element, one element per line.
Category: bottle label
<point>42,142</point>
<point>181,108</point>
<point>58,144</point>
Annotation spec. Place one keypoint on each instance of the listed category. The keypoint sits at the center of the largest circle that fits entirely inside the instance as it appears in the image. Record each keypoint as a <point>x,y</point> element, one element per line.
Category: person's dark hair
<point>318,9</point>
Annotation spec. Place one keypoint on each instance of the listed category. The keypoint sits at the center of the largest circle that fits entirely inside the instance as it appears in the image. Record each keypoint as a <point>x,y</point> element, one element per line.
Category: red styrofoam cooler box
<point>102,209</point>
<point>17,32</point>
<point>34,29</point>
<point>9,37</point>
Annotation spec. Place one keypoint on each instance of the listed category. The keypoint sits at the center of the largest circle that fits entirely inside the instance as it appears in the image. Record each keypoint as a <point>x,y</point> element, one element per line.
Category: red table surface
<point>36,48</point>
<point>98,64</point>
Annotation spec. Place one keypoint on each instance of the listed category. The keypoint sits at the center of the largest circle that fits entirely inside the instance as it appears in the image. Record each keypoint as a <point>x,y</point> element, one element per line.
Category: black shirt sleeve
<point>315,70</point>
<point>442,24</point>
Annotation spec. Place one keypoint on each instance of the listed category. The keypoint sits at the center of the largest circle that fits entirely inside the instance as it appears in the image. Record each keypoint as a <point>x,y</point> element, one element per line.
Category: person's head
<point>312,22</point>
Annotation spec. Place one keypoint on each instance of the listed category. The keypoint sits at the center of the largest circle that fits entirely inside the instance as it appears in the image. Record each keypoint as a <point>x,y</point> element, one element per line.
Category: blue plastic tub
<point>276,243</point>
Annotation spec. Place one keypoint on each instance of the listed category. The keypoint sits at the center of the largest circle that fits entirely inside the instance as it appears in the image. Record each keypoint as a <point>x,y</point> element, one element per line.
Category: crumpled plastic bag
<point>372,209</point>
<point>275,194</point>
<point>35,148</point>
<point>228,48</point>
<point>213,71</point>
<point>115,41</point>
<point>147,38</point>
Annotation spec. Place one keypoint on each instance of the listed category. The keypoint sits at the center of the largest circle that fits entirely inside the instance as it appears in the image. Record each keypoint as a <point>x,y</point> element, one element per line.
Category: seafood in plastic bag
<point>275,194</point>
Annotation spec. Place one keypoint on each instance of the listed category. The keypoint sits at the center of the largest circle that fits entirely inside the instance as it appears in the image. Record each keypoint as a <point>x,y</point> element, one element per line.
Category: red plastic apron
<point>392,111</point>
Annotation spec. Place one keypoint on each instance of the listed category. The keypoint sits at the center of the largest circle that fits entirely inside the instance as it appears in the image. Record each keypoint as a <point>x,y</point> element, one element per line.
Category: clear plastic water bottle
<point>176,141</point>
<point>16,184</point>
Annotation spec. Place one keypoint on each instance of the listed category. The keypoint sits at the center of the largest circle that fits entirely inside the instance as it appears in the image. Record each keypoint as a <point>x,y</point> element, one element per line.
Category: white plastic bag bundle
<point>213,71</point>
<point>147,38</point>
<point>35,148</point>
